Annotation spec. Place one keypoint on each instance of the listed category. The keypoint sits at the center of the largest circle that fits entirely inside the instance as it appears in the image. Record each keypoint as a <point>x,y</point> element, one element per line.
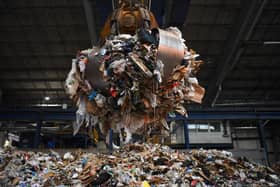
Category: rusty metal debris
<point>133,165</point>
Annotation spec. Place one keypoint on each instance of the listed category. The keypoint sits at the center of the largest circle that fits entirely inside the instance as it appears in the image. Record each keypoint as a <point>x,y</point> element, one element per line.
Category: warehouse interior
<point>238,42</point>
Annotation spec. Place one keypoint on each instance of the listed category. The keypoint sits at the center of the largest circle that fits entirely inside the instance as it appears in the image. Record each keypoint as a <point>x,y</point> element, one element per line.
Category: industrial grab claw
<point>135,77</point>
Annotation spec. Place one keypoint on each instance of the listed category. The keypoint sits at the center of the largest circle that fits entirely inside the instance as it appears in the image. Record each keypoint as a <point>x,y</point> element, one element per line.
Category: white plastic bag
<point>72,82</point>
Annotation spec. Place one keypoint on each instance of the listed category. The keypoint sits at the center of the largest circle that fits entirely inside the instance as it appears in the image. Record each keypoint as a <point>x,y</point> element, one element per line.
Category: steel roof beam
<point>33,90</point>
<point>25,80</point>
<point>35,69</point>
<point>90,18</point>
<point>167,13</point>
<point>232,53</point>
<point>70,115</point>
<point>46,55</point>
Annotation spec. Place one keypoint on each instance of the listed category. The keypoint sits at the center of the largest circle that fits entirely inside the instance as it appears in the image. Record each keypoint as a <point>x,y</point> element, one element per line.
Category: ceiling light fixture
<point>271,42</point>
<point>64,106</point>
<point>48,105</point>
<point>47,98</point>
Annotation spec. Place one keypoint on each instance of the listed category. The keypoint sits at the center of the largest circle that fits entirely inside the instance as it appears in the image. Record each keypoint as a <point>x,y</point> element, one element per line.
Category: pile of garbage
<point>142,165</point>
<point>134,80</point>
<point>276,167</point>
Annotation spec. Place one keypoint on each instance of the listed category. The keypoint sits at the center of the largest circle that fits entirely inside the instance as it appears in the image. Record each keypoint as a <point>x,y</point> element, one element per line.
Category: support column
<point>110,146</point>
<point>275,147</point>
<point>37,138</point>
<point>2,138</point>
<point>263,141</point>
<point>226,124</point>
<point>86,141</point>
<point>186,134</point>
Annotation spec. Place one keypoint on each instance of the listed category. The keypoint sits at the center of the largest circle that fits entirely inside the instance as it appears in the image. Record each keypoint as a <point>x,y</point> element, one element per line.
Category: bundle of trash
<point>134,80</point>
<point>141,165</point>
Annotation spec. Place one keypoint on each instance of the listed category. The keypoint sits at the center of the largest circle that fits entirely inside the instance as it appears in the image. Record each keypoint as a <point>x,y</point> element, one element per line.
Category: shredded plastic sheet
<point>72,81</point>
<point>133,165</point>
<point>136,83</point>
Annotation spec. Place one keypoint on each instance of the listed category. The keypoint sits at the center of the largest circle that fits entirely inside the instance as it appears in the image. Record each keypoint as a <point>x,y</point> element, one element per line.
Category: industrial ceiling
<point>238,41</point>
